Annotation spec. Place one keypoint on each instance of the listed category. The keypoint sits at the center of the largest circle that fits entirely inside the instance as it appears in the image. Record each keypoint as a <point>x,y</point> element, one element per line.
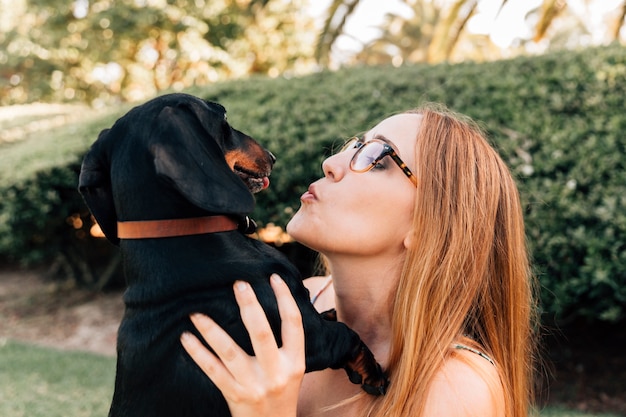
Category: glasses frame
<point>388,150</point>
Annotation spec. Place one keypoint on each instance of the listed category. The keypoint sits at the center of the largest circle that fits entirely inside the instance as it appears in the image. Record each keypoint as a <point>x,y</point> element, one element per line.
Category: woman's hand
<point>263,385</point>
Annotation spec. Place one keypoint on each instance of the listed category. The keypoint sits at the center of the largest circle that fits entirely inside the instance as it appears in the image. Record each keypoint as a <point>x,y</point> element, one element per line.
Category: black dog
<point>171,182</point>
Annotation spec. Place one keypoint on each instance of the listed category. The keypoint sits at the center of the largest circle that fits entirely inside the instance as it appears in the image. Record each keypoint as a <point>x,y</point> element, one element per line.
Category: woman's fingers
<point>235,362</point>
<point>291,319</point>
<point>210,364</point>
<point>253,317</point>
<point>269,356</point>
<point>267,383</point>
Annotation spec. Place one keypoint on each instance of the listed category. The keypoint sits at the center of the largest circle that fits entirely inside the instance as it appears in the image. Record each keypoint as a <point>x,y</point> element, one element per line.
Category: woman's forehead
<point>400,129</point>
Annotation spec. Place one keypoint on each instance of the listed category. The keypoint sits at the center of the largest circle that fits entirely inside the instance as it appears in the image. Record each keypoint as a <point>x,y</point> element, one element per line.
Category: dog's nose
<point>272,157</point>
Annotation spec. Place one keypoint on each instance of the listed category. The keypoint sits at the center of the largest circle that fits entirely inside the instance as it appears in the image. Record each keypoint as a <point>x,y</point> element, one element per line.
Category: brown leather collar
<point>145,229</point>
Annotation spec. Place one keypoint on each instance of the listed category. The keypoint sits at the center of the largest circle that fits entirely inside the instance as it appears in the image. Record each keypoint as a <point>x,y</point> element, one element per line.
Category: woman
<point>421,225</point>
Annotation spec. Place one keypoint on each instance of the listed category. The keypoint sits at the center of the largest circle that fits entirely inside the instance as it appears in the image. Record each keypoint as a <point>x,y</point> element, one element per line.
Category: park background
<point>547,82</point>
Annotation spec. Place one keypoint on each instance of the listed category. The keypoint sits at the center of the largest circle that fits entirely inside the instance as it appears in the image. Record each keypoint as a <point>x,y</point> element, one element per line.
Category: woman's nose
<point>334,167</point>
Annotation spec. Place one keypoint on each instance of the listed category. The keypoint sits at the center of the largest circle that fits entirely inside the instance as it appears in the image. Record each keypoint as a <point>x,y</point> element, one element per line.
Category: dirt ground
<point>56,314</point>
<point>586,367</point>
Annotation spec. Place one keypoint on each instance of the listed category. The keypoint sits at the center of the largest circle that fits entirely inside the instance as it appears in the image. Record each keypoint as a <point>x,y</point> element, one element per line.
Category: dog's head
<point>175,156</point>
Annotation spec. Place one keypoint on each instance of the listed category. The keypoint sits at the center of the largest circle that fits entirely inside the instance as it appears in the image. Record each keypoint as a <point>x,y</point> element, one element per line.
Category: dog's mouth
<point>255,181</point>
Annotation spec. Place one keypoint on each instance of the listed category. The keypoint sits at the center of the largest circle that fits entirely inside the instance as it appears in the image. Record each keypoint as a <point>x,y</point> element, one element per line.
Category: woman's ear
<point>409,239</point>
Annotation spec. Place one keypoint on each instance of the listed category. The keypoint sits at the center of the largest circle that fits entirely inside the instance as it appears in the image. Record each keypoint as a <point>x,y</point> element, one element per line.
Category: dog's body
<point>176,157</point>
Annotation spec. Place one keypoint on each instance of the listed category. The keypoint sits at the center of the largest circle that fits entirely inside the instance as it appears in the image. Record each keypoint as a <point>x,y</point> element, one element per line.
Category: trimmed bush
<point>43,219</point>
<point>558,120</point>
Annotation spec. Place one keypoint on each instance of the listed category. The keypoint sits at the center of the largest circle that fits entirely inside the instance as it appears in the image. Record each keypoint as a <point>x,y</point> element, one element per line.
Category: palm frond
<point>550,9</point>
<point>618,23</point>
<point>337,15</point>
<point>449,29</point>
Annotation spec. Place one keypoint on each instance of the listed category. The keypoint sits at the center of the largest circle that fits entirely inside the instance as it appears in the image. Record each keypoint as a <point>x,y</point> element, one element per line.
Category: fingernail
<point>186,336</point>
<point>241,285</point>
<point>197,317</point>
<point>275,278</point>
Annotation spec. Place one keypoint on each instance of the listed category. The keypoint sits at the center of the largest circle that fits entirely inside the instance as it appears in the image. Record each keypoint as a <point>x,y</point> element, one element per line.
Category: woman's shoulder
<point>467,385</point>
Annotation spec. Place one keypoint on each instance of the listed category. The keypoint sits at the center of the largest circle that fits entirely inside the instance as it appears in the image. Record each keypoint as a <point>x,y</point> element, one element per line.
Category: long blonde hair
<point>468,273</point>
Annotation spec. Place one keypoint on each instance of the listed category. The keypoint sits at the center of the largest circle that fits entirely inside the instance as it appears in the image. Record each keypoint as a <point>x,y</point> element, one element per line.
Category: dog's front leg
<point>362,367</point>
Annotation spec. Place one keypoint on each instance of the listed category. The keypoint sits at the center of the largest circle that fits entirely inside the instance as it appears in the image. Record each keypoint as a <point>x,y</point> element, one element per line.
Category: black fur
<point>165,160</point>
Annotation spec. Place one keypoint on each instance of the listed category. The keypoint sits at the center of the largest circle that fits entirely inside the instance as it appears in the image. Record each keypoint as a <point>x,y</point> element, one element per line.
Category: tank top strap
<point>323,288</point>
<point>476,351</point>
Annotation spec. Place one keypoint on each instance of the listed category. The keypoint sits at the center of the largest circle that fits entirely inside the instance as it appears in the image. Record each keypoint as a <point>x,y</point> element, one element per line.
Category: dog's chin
<point>255,183</point>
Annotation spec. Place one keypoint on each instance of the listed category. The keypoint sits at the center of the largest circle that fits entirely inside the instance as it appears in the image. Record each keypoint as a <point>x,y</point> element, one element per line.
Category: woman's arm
<point>268,383</point>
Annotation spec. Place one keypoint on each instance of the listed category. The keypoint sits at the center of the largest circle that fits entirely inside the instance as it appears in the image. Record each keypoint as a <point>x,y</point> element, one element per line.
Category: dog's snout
<point>272,157</point>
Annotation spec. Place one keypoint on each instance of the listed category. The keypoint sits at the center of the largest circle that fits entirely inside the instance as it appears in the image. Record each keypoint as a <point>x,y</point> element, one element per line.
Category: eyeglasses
<point>370,153</point>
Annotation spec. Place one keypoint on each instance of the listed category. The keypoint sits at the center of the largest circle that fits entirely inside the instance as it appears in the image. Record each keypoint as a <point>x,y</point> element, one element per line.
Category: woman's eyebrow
<point>384,138</point>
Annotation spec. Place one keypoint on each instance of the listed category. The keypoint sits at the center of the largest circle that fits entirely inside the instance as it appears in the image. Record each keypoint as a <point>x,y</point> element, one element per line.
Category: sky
<point>503,28</point>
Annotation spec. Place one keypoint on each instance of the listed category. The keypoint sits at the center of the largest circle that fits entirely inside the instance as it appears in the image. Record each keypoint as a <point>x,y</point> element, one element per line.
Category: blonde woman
<point>421,226</point>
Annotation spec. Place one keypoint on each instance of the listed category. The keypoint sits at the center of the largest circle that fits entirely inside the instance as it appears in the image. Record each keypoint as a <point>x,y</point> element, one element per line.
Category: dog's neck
<point>150,229</point>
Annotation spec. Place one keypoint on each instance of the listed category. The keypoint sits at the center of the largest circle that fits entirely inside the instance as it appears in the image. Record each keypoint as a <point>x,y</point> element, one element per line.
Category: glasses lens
<point>368,155</point>
<point>351,144</point>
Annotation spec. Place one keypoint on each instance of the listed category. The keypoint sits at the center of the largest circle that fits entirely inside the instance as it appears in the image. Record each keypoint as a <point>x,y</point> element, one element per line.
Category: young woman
<point>421,225</point>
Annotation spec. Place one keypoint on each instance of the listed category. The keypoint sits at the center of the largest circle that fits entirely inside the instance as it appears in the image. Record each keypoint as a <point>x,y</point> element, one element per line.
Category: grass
<point>44,382</point>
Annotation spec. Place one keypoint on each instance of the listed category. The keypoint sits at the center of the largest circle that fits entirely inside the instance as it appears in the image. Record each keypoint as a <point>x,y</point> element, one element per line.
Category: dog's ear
<point>94,184</point>
<point>187,154</point>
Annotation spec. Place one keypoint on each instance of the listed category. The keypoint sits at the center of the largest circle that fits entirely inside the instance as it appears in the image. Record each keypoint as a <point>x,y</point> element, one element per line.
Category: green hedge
<point>559,120</point>
<point>43,219</point>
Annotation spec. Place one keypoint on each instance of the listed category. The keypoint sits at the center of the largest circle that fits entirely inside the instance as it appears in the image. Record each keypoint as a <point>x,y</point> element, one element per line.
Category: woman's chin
<point>293,225</point>
<point>300,230</point>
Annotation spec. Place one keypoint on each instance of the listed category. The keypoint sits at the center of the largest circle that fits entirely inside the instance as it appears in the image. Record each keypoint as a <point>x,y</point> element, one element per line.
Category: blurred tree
<point>336,16</point>
<point>619,21</point>
<point>549,10</point>
<point>104,50</point>
<point>437,30</point>
<point>562,25</point>
<point>429,35</point>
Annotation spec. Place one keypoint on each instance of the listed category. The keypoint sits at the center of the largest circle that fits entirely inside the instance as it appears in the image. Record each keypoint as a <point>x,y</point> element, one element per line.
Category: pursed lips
<point>309,195</point>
